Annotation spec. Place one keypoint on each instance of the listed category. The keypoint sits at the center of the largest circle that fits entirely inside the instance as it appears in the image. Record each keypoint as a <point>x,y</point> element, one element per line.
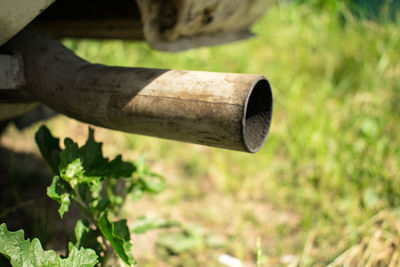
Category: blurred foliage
<point>332,157</point>
<point>372,9</point>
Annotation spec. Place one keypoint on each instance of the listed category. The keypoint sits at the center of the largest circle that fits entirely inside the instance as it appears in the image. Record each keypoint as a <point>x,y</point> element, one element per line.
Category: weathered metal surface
<point>11,73</point>
<point>13,102</point>
<point>181,24</point>
<point>169,25</point>
<point>217,109</point>
<point>16,14</point>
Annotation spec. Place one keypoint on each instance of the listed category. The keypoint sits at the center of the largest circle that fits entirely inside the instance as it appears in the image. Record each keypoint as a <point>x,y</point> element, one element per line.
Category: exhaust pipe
<point>231,111</point>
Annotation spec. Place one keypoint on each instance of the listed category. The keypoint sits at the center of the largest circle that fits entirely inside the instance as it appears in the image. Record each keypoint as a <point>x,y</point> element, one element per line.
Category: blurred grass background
<point>325,189</point>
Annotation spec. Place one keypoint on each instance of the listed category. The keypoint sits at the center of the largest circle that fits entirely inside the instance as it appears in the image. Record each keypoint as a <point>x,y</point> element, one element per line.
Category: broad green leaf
<point>96,165</point>
<point>118,168</point>
<point>59,191</point>
<point>87,164</point>
<point>143,224</point>
<point>23,252</point>
<point>49,147</point>
<point>69,154</point>
<point>117,233</point>
<point>79,257</point>
<point>92,152</point>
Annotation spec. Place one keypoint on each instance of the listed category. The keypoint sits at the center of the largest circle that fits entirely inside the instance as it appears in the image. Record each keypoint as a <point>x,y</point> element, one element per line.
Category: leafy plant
<point>99,187</point>
<point>23,252</point>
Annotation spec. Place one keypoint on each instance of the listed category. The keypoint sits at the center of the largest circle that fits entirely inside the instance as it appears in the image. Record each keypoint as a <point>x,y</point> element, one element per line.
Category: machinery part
<point>169,25</point>
<point>172,25</point>
<point>11,73</point>
<point>16,14</point>
<point>119,19</point>
<point>224,110</point>
<point>13,101</point>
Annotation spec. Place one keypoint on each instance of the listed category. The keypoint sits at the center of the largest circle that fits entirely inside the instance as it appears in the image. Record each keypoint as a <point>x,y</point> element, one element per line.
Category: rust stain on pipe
<point>224,110</point>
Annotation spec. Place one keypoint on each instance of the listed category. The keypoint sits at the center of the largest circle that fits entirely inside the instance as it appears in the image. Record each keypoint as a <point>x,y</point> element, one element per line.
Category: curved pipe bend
<point>225,110</point>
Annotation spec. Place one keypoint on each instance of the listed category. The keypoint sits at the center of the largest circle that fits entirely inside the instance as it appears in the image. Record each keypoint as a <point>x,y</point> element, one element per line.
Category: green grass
<point>332,158</point>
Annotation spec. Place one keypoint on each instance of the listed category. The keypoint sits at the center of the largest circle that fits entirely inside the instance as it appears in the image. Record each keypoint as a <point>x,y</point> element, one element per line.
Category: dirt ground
<point>233,221</point>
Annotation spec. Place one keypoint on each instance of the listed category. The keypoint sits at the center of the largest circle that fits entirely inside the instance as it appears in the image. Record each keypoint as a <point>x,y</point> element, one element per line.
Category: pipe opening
<point>257,118</point>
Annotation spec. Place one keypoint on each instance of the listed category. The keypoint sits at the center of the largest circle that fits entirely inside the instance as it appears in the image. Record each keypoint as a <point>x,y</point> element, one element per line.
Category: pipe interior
<point>258,113</point>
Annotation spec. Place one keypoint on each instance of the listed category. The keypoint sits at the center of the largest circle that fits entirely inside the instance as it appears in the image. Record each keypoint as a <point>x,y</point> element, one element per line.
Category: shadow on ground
<point>24,204</point>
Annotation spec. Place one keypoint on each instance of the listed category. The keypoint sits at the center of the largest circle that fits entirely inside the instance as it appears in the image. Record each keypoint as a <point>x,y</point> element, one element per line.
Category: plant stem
<point>83,207</point>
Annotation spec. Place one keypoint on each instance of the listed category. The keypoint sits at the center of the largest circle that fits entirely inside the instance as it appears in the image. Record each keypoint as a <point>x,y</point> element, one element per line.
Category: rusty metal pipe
<point>224,110</point>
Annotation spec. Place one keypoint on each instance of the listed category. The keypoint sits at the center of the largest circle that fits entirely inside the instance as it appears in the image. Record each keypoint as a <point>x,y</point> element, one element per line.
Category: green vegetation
<point>84,176</point>
<point>325,189</point>
<point>22,252</point>
<point>333,156</point>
